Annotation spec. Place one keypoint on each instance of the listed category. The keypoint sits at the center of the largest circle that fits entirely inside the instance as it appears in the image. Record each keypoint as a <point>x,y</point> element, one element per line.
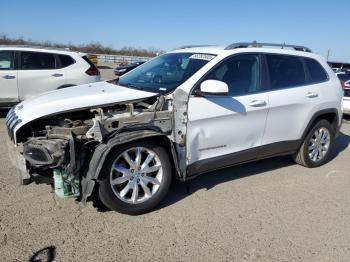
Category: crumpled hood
<point>76,97</point>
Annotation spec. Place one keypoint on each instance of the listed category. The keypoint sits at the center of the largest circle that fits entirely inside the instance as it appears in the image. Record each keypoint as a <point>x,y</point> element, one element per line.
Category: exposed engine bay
<point>66,142</point>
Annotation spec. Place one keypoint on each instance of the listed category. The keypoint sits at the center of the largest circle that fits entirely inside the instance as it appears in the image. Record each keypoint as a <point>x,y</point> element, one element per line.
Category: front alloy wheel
<point>135,178</point>
<point>136,175</point>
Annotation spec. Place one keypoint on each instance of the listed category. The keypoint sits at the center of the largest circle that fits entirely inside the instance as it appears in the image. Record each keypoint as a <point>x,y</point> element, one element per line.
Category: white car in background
<point>346,98</point>
<point>344,78</point>
<point>26,72</point>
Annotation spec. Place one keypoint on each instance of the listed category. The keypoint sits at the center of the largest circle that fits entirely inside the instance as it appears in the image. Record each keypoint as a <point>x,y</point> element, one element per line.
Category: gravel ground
<point>271,210</point>
<point>107,74</point>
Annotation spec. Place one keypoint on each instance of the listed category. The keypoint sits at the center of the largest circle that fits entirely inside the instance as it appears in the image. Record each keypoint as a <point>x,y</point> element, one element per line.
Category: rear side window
<point>6,60</point>
<point>65,60</point>
<point>316,71</point>
<point>285,71</point>
<point>37,61</point>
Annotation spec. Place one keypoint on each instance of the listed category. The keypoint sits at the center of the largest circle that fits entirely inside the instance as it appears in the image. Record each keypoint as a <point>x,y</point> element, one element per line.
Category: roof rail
<point>255,44</point>
<point>190,46</point>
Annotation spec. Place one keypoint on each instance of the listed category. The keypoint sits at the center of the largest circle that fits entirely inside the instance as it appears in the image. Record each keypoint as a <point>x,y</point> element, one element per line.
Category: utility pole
<point>328,54</point>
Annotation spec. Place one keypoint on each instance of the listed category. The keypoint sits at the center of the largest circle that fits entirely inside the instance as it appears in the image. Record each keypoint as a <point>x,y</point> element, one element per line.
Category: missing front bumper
<point>19,163</point>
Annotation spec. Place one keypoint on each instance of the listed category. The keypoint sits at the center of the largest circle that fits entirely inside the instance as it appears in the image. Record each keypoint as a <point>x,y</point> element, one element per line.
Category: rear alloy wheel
<point>319,144</point>
<point>316,147</point>
<point>135,178</point>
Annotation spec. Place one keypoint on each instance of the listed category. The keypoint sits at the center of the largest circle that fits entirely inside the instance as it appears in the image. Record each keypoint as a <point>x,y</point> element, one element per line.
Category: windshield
<point>165,73</point>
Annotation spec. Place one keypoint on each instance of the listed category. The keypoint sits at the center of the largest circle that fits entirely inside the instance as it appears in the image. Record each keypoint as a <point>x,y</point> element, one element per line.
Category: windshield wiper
<point>132,86</point>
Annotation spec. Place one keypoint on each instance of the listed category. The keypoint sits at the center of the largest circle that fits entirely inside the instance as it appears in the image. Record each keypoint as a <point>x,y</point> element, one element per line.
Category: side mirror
<point>214,88</point>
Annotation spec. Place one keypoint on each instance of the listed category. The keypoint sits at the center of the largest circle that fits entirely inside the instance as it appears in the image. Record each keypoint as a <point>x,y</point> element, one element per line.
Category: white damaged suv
<point>189,111</point>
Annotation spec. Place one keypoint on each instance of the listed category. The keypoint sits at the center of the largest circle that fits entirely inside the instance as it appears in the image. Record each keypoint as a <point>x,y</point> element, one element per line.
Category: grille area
<point>12,121</point>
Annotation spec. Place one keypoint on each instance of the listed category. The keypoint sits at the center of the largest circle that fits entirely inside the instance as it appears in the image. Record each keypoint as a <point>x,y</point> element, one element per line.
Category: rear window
<point>88,61</point>
<point>285,71</point>
<point>37,61</point>
<point>317,72</point>
<point>6,60</point>
<point>65,60</point>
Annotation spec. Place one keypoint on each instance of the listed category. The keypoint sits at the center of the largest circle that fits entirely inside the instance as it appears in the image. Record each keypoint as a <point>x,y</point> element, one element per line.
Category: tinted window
<point>240,73</point>
<point>37,61</point>
<point>317,73</point>
<point>285,71</point>
<point>6,60</point>
<point>65,60</point>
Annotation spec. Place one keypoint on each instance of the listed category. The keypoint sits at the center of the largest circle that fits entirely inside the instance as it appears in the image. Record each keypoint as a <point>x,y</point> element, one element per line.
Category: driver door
<point>224,130</point>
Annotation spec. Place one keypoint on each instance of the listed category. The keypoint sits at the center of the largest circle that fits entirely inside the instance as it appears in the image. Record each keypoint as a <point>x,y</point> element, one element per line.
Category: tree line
<point>91,48</point>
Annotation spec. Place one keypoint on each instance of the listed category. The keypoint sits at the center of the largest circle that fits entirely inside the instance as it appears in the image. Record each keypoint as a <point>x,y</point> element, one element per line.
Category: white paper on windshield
<point>202,57</point>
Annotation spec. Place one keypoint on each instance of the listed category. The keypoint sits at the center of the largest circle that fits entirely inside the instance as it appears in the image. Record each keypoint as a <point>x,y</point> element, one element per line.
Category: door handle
<point>9,77</point>
<point>257,103</point>
<point>311,95</point>
<point>57,75</point>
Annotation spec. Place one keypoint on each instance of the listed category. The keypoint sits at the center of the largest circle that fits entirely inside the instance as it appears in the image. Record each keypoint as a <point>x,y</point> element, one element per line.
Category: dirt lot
<point>272,210</point>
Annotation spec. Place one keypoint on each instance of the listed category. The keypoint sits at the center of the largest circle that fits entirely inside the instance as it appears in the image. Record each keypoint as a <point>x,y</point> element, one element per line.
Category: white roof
<point>220,50</point>
<point>40,49</point>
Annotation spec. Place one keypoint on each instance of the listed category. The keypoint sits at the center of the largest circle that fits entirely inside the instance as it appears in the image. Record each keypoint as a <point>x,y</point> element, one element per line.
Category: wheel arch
<point>331,115</point>
<point>102,151</point>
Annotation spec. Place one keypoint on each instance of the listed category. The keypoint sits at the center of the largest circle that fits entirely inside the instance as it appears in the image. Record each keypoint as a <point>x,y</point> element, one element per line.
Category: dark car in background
<point>121,70</point>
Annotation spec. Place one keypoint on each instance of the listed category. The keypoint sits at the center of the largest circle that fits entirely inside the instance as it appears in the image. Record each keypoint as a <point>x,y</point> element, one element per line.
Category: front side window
<point>37,61</point>
<point>165,73</point>
<point>6,60</point>
<point>316,71</point>
<point>285,71</point>
<point>240,73</point>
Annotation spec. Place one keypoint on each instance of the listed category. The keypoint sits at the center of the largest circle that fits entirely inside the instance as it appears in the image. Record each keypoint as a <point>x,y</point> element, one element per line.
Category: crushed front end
<point>60,146</point>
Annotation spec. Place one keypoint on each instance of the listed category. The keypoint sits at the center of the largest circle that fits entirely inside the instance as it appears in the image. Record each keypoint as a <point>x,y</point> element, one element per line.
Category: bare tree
<point>91,48</point>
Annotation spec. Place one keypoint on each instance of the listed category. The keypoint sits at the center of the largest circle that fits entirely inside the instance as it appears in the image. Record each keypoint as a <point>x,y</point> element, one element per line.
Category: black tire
<point>302,156</point>
<point>109,197</point>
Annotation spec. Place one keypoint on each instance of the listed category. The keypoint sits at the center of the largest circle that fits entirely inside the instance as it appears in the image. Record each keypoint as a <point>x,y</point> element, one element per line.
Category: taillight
<point>343,85</point>
<point>93,71</point>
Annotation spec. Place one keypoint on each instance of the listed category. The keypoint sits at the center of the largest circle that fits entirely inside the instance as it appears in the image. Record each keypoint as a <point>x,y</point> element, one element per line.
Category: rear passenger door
<point>38,73</point>
<point>8,78</point>
<point>293,99</point>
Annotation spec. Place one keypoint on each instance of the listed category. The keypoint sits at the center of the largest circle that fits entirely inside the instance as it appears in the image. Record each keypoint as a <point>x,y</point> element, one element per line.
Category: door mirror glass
<point>214,87</point>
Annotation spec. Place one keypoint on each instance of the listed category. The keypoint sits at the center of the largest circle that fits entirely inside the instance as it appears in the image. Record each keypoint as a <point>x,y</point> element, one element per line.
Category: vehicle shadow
<point>340,144</point>
<point>208,181</point>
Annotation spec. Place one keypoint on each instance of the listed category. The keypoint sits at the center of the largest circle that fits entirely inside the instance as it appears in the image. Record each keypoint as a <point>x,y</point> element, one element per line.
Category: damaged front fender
<point>102,150</point>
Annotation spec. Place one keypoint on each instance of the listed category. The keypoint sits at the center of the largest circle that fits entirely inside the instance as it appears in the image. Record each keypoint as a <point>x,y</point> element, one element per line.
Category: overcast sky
<point>320,25</point>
